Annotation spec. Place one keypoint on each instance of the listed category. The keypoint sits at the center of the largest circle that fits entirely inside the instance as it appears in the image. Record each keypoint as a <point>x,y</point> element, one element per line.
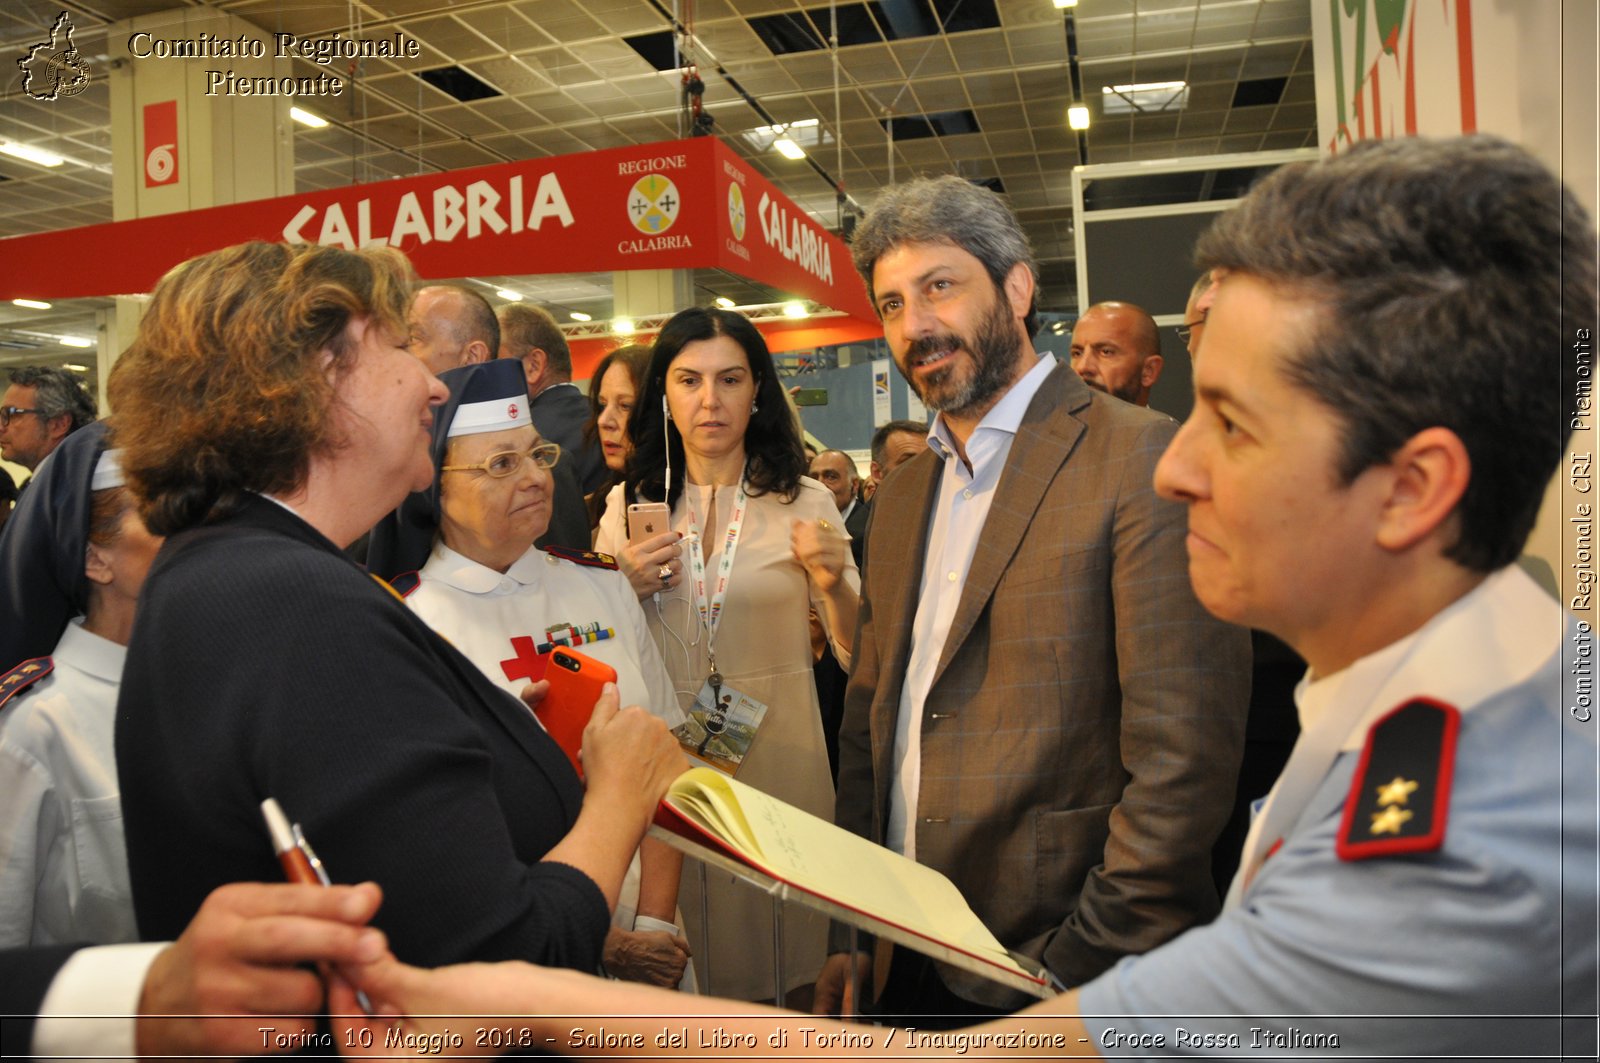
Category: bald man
<point>1115,349</point>
<point>452,326</point>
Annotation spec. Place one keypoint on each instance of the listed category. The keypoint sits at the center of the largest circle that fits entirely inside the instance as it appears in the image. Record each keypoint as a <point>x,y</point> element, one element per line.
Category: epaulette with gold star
<point>586,558</point>
<point>23,676</point>
<point>1400,797</point>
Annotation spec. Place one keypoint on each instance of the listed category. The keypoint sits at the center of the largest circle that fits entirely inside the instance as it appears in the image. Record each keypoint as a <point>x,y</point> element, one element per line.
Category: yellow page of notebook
<point>815,854</point>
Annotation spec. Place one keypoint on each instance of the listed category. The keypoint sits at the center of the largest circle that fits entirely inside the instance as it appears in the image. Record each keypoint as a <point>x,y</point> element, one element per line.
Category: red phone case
<point>566,709</point>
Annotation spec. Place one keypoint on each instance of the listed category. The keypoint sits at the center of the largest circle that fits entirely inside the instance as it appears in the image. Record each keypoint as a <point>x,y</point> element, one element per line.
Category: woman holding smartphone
<point>507,605</point>
<point>763,544</point>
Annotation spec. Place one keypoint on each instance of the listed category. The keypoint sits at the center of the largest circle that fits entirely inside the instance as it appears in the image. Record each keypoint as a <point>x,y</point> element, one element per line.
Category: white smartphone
<point>646,520</point>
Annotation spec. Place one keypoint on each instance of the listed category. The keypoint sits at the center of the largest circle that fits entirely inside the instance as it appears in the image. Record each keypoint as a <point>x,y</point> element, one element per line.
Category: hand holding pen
<point>300,863</point>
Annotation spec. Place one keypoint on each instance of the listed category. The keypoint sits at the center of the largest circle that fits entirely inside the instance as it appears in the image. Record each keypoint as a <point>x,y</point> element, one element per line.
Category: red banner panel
<point>677,205</point>
<point>161,143</point>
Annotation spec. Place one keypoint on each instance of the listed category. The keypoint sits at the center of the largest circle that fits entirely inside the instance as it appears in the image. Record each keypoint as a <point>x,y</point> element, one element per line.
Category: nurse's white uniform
<point>63,864</point>
<point>498,621</point>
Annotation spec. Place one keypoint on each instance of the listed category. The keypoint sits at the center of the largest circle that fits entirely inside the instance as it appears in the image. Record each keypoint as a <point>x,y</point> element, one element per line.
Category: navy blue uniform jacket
<point>264,663</point>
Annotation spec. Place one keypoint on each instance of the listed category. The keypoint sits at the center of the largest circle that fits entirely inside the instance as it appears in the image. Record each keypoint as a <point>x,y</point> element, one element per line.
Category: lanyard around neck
<point>711,606</point>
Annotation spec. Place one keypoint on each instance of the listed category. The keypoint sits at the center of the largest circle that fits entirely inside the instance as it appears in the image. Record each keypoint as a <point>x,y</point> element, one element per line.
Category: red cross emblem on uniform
<point>511,411</point>
<point>528,663</point>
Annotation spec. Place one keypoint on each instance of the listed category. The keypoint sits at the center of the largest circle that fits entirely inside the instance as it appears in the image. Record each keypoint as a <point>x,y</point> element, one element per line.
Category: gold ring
<point>664,573</point>
<point>825,525</point>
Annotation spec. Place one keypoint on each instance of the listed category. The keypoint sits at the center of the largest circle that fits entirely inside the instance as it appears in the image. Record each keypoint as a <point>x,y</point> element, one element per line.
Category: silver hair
<point>944,210</point>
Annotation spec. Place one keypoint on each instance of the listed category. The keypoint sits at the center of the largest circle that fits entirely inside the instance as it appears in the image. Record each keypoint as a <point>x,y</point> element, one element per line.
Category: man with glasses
<point>1194,312</point>
<point>42,407</point>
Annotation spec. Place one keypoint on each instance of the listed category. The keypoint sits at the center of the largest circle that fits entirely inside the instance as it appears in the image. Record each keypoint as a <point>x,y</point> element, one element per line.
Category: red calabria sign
<point>684,204</point>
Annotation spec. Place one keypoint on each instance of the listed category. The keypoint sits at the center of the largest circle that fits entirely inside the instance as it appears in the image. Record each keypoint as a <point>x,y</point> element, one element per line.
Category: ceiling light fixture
<point>788,148</point>
<point>75,341</point>
<point>1078,117</point>
<point>622,326</point>
<point>776,130</point>
<point>30,153</point>
<point>74,367</point>
<point>306,118</point>
<point>795,308</point>
<point>509,295</point>
<point>724,302</point>
<point>1151,97</point>
<point>579,315</point>
<point>1145,86</point>
<point>31,304</point>
<point>1062,4</point>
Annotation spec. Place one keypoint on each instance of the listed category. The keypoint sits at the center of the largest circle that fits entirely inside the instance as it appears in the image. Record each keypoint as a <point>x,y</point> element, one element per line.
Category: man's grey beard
<point>994,355</point>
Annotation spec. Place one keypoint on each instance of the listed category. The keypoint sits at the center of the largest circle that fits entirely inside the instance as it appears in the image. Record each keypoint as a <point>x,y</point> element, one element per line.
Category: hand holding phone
<point>648,557</point>
<point>576,681</point>
<point>646,520</point>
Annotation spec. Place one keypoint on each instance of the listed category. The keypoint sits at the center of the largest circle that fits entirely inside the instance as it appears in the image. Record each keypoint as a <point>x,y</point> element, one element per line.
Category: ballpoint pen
<point>299,860</point>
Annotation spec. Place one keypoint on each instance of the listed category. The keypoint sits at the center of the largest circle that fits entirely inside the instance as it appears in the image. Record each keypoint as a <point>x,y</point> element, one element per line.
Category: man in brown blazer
<point>1039,708</point>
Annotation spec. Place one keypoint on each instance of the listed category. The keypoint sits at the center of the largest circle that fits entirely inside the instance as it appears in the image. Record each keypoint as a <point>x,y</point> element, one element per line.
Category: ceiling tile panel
<point>980,49</point>
<point>506,28</point>
<point>511,76</point>
<point>924,57</point>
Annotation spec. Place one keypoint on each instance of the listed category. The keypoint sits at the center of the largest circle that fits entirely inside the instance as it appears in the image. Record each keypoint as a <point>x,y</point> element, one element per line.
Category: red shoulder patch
<point>586,558</point>
<point>24,676</point>
<point>1400,797</point>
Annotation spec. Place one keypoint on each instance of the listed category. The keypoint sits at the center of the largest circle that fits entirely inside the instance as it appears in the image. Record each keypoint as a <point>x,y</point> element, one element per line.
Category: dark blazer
<point>264,663</point>
<point>569,513</point>
<point>559,412</point>
<point>25,977</point>
<point>1083,731</point>
<point>856,525</point>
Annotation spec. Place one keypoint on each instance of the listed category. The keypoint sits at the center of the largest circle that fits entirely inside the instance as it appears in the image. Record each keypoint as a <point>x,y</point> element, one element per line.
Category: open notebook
<point>885,890</point>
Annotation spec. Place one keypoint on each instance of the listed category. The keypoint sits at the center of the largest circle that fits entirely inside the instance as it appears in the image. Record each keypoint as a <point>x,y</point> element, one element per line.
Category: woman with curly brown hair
<point>269,413</point>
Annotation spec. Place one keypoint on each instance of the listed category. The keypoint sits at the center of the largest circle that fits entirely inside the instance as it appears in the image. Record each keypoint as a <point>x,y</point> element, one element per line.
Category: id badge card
<point>718,735</point>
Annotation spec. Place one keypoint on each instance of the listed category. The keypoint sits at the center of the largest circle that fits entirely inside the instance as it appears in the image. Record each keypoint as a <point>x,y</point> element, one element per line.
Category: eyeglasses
<point>504,463</point>
<point>8,412</point>
<point>1187,328</point>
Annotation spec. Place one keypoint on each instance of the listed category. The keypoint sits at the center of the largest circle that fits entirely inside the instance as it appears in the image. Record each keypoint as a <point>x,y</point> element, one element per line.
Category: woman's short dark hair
<point>773,455</point>
<point>227,387</point>
<point>1452,275</point>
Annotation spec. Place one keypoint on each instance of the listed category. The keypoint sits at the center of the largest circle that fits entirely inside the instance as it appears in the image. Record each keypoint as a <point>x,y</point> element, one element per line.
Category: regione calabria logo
<point>653,203</point>
<point>736,216</point>
<point>55,68</point>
